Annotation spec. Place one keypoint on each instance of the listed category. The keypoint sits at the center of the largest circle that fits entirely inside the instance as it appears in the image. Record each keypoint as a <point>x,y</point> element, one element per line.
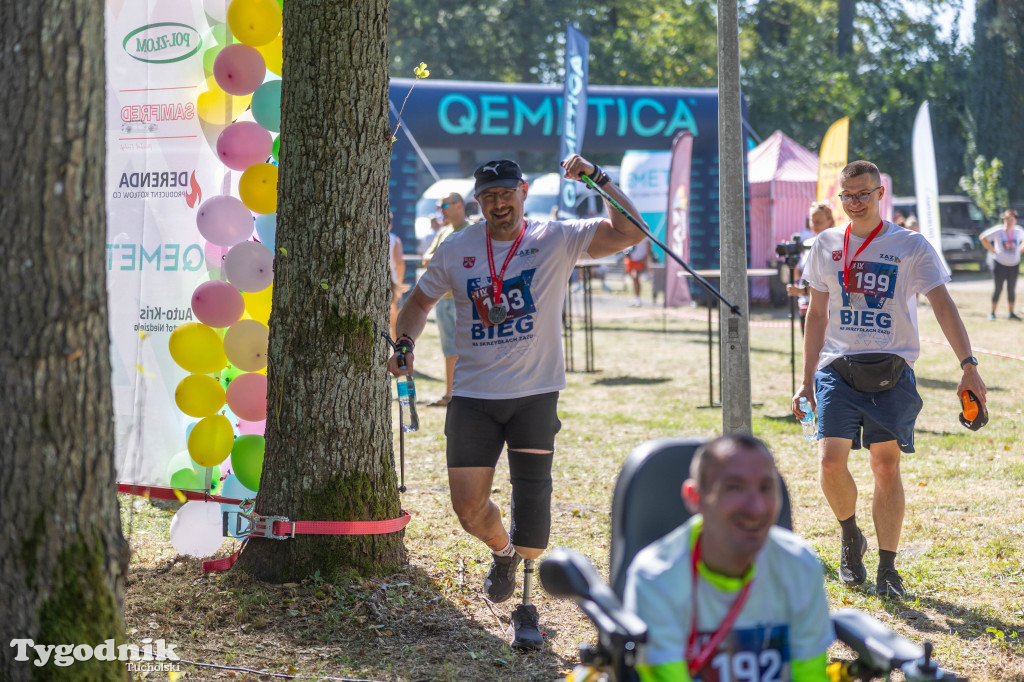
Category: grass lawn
<point>960,555</point>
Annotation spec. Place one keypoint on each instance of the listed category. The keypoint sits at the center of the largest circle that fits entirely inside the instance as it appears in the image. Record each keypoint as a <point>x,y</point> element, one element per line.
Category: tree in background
<point>984,186</point>
<point>997,88</point>
<point>63,558</point>
<point>329,453</point>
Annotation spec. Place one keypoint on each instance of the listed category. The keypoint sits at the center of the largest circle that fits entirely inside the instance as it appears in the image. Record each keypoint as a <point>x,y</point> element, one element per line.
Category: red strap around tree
<point>279,528</point>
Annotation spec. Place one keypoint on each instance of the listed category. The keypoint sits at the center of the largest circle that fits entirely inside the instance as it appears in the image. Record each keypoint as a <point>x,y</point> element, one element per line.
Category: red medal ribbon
<point>498,279</point>
<point>696,660</point>
<point>846,249</point>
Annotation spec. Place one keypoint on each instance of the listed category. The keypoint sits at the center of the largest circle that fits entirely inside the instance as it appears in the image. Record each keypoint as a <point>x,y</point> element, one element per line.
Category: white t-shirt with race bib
<point>1006,244</point>
<point>879,313</point>
<point>521,356</point>
<point>785,618</point>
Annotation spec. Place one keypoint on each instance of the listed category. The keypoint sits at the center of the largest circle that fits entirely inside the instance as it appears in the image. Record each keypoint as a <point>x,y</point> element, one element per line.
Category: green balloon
<point>247,460</point>
<point>228,374</point>
<point>276,152</point>
<point>184,474</point>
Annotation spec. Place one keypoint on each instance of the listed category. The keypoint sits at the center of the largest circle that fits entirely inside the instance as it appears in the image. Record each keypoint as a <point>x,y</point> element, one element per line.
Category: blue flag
<point>574,110</point>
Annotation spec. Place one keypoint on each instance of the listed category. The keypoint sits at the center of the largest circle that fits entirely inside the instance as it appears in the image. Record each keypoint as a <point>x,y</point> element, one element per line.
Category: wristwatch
<point>969,360</point>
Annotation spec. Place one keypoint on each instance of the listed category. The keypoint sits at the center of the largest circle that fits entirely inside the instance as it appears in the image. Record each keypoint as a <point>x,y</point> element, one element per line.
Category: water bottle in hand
<point>809,422</point>
<point>407,398</point>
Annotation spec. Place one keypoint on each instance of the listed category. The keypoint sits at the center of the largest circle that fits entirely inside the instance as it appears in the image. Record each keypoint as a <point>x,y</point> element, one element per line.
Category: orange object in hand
<point>974,414</point>
<point>970,406</point>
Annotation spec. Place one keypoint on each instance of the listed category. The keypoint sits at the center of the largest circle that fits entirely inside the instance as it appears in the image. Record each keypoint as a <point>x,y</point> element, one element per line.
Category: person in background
<point>636,262</point>
<point>397,265</point>
<point>729,590</point>
<point>820,219</point>
<point>899,217</point>
<point>453,207</point>
<point>1005,242</point>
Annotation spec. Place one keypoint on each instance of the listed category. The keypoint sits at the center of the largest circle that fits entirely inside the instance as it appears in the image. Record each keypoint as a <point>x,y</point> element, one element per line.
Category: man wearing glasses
<point>508,276</point>
<point>860,345</point>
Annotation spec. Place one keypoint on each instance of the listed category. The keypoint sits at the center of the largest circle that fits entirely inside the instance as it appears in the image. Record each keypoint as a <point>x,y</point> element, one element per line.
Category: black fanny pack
<point>870,372</point>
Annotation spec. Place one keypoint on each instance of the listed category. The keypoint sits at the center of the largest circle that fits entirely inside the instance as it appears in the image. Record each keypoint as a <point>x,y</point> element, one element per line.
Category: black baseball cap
<point>500,173</point>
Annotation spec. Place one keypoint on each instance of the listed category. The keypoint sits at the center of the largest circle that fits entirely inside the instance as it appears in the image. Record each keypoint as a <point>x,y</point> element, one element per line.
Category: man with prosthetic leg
<point>508,278</point>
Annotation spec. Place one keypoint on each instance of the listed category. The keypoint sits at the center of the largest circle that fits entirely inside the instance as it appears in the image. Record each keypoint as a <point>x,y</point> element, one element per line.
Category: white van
<point>542,197</point>
<point>426,205</point>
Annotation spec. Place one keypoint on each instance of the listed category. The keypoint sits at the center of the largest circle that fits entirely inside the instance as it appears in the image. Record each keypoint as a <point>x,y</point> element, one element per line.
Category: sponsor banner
<point>644,179</point>
<point>834,150</point>
<point>926,181</point>
<point>161,165</point>
<point>574,110</point>
<point>677,287</point>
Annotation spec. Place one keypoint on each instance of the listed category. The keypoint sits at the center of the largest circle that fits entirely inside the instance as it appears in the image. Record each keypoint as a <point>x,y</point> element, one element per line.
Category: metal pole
<point>735,332</point>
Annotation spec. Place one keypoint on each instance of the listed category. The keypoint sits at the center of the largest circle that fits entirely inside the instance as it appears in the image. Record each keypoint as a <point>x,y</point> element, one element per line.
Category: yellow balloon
<point>257,188</point>
<point>217,107</point>
<point>273,55</point>
<point>245,344</point>
<point>211,440</point>
<point>257,304</point>
<point>199,395</point>
<point>197,348</point>
<point>254,22</point>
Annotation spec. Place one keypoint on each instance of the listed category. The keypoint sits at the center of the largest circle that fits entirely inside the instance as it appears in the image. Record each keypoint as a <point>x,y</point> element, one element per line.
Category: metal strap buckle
<point>252,525</point>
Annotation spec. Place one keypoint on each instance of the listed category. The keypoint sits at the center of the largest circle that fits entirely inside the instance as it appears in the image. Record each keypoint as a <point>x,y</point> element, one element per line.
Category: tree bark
<point>329,453</point>
<point>844,38</point>
<point>63,558</point>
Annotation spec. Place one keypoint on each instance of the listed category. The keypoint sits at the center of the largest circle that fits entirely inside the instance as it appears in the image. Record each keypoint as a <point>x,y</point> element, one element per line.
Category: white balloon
<point>250,266</point>
<point>196,529</point>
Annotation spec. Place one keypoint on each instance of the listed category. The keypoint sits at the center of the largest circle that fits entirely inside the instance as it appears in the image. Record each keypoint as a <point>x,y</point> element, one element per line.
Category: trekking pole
<point>401,430</point>
<point>703,282</point>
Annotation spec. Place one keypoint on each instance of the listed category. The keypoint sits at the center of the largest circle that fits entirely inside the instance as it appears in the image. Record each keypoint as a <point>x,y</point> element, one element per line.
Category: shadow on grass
<point>409,625</point>
<point>964,623</point>
<point>631,381</point>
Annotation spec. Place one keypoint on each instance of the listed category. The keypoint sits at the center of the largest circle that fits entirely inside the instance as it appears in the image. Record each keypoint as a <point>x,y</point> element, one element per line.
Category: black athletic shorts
<point>478,429</point>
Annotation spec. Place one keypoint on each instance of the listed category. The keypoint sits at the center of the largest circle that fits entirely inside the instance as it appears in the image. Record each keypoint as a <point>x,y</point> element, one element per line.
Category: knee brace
<point>530,474</point>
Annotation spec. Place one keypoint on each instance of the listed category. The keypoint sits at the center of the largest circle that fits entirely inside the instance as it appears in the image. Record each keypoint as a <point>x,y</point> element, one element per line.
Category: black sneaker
<point>889,584</point>
<point>500,581</point>
<point>526,624</point>
<point>1013,317</point>
<point>851,563</point>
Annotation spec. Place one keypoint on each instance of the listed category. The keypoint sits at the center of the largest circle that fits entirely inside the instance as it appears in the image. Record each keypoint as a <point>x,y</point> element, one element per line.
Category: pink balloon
<point>217,304</point>
<point>239,69</point>
<point>224,220</point>
<point>250,266</point>
<point>247,396</point>
<point>215,256</point>
<point>244,143</point>
<point>247,428</point>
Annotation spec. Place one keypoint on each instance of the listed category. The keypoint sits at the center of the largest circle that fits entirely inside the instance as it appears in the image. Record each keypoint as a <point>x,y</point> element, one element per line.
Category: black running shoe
<point>526,624</point>
<point>889,584</point>
<point>851,563</point>
<point>500,581</point>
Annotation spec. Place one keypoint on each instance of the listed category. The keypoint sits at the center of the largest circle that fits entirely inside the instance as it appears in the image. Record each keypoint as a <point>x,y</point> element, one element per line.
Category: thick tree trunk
<point>329,442</point>
<point>846,16</point>
<point>62,555</point>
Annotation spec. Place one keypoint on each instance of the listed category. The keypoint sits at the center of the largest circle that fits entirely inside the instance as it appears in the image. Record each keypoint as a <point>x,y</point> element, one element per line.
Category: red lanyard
<point>498,279</point>
<point>696,660</point>
<point>846,250</point>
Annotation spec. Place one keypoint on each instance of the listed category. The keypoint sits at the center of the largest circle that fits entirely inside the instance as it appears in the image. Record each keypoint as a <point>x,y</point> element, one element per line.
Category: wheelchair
<point>647,505</point>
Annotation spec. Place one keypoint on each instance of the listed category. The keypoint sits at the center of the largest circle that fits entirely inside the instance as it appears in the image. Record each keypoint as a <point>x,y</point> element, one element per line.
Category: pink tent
<point>783,179</point>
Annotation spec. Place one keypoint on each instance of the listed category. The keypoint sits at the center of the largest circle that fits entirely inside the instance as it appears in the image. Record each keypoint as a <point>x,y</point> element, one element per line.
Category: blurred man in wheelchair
<point>729,595</point>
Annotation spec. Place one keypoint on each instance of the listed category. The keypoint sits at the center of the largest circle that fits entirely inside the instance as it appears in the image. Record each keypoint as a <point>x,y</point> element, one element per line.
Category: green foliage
<point>984,186</point>
<point>793,77</point>
<point>997,87</point>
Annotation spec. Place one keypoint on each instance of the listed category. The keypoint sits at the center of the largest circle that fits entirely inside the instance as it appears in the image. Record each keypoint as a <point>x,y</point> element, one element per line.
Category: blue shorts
<point>444,313</point>
<point>867,418</point>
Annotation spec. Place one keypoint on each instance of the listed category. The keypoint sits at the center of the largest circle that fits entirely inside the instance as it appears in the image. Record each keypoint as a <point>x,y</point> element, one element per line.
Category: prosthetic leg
<point>525,620</point>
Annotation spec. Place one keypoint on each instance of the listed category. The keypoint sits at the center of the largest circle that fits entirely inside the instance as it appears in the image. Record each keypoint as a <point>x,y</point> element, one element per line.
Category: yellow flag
<point>831,162</point>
